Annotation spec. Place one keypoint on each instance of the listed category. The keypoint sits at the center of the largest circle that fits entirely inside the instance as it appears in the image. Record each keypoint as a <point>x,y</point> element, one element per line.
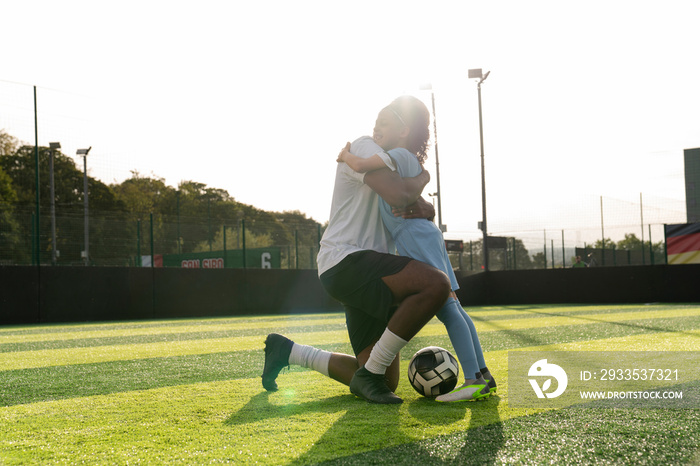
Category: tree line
<point>188,218</point>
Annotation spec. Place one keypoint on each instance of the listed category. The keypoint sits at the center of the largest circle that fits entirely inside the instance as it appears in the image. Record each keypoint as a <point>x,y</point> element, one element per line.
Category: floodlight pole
<point>84,153</point>
<point>442,226</point>
<point>482,77</point>
<point>54,253</point>
<point>36,241</point>
<point>438,194</point>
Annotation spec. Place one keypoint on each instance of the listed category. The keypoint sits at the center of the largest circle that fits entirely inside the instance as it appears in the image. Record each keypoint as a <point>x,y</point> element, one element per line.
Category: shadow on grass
<point>259,408</point>
<point>361,426</point>
<point>480,443</point>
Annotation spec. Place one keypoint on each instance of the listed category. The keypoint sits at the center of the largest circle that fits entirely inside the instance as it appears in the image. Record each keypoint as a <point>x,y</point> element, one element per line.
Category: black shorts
<point>369,304</point>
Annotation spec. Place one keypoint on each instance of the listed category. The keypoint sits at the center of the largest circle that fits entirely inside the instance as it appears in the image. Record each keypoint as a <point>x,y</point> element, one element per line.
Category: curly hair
<point>415,115</point>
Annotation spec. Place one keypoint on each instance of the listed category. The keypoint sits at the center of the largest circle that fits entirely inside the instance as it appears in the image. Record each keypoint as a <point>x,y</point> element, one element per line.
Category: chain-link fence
<point>141,221</point>
<point>136,239</point>
<point>200,232</point>
<point>602,231</point>
<point>145,239</point>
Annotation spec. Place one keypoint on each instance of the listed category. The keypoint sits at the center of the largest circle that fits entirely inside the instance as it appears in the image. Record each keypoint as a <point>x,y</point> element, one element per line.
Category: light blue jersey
<point>418,238</point>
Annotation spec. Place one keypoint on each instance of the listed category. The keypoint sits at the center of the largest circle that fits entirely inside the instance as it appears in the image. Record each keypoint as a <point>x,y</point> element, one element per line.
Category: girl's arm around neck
<point>359,164</point>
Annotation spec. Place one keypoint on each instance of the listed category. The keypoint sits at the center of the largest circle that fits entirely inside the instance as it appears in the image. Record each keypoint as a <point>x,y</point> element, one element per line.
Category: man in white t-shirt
<point>387,298</point>
<point>355,223</point>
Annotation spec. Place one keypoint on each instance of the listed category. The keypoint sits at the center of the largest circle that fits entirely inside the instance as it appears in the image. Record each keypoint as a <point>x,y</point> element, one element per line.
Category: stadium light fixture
<point>86,253</point>
<point>438,194</point>
<point>53,146</point>
<point>478,74</point>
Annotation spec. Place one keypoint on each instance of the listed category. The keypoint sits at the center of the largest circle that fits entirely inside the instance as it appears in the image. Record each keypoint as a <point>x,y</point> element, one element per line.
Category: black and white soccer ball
<point>433,371</point>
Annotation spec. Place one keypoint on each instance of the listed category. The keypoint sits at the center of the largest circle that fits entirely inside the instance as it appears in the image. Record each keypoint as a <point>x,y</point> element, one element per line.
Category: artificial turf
<point>188,392</point>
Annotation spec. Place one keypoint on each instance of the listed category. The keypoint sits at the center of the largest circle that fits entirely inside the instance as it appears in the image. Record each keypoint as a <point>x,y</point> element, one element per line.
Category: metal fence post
<point>138,243</point>
<point>563,252</point>
<point>553,267</point>
<point>31,235</point>
<point>319,242</point>
<point>179,235</point>
<point>651,248</point>
<point>545,249</point>
<point>296,249</point>
<point>471,257</point>
<point>243,241</point>
<point>153,257</point>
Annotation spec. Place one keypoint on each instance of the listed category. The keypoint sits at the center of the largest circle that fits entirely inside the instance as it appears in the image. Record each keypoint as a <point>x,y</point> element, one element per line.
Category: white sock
<point>384,352</point>
<point>310,357</point>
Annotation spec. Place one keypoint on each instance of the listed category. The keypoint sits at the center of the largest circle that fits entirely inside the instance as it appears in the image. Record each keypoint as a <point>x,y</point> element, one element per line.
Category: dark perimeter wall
<point>631,284</point>
<point>69,294</point>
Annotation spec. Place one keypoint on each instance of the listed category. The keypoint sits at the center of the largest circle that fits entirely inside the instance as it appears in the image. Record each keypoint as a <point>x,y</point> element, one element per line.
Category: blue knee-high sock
<point>475,338</point>
<point>451,315</point>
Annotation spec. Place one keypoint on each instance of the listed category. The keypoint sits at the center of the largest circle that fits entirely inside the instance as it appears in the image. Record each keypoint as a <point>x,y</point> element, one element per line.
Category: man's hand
<point>419,209</point>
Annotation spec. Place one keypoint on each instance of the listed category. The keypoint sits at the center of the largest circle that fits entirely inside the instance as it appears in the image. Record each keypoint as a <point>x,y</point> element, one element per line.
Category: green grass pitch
<point>188,391</point>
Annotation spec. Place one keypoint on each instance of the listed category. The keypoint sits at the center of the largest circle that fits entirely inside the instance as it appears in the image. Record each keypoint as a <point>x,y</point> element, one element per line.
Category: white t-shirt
<point>355,223</point>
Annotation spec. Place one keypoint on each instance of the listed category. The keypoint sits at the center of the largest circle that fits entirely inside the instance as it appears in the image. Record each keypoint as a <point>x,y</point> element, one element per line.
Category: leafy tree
<point>252,240</point>
<point>635,247</point>
<point>307,230</point>
<point>143,195</point>
<point>10,232</point>
<point>538,260</point>
<point>69,202</point>
<point>8,195</point>
<point>192,217</point>
<point>187,218</point>
<point>630,243</point>
<point>9,227</point>
<point>521,255</point>
<point>605,243</point>
<point>8,144</point>
<point>203,212</point>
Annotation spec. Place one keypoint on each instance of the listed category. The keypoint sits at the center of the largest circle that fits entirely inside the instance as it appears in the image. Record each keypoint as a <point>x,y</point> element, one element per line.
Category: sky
<point>583,99</point>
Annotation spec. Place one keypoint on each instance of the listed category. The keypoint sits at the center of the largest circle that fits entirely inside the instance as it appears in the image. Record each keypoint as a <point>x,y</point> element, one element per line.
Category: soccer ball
<point>433,371</point>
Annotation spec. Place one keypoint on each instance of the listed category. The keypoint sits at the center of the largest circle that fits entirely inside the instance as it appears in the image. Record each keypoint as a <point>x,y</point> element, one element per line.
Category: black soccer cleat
<point>277,350</point>
<point>491,382</point>
<point>372,387</point>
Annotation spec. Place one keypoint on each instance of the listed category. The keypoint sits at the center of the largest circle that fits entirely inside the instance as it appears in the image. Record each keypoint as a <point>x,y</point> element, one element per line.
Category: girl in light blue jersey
<point>420,238</point>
